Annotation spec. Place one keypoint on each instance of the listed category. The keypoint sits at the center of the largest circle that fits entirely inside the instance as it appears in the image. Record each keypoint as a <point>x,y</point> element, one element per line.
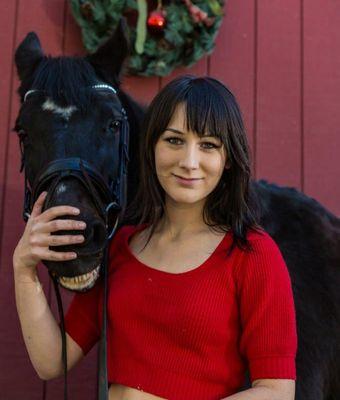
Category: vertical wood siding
<point>281,60</point>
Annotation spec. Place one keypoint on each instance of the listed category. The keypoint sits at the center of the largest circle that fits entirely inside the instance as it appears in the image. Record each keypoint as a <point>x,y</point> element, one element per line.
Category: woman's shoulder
<point>122,235</point>
<point>264,256</point>
<point>125,230</point>
<point>259,239</point>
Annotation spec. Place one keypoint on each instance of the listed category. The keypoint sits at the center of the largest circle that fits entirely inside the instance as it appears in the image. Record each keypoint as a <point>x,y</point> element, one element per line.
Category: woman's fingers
<point>58,240</point>
<point>55,256</point>
<point>59,225</point>
<point>52,212</point>
<point>36,239</point>
<point>37,207</point>
<point>57,211</point>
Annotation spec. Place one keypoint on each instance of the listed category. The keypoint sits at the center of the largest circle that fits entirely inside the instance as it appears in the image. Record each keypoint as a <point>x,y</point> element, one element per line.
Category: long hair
<point>209,107</point>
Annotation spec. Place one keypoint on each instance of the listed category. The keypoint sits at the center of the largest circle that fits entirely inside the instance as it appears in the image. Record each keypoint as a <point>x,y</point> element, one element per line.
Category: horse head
<point>70,125</point>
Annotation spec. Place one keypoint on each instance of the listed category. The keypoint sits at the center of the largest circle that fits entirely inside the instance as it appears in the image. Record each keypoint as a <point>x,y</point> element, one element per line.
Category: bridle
<point>109,199</point>
<point>113,193</point>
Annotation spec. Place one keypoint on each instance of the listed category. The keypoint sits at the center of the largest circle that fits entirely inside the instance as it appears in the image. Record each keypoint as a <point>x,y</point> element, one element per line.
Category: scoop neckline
<point>208,261</point>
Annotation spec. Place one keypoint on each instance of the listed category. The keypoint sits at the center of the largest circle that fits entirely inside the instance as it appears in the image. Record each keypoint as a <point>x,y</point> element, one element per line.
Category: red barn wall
<point>281,60</point>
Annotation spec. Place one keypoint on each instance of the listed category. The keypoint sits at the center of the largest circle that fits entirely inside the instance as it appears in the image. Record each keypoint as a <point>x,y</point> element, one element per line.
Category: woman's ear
<point>227,165</point>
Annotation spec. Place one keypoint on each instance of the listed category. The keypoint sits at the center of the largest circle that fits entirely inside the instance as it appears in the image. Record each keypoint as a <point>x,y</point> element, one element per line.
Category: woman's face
<point>188,167</point>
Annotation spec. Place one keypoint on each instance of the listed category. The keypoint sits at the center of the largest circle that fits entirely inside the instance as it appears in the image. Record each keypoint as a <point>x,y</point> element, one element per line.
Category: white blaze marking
<point>65,112</point>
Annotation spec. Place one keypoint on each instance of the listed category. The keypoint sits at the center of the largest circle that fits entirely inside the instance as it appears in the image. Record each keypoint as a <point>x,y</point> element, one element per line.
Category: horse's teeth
<point>81,281</point>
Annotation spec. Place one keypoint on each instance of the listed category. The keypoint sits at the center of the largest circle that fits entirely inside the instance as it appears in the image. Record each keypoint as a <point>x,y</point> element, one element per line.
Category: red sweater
<point>192,335</point>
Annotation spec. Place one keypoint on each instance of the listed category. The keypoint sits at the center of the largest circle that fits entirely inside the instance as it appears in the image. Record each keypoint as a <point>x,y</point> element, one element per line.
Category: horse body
<point>308,236</point>
<point>66,119</point>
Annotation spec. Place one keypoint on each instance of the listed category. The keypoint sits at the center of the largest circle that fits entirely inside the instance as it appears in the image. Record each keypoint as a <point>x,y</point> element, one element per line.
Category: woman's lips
<point>186,181</point>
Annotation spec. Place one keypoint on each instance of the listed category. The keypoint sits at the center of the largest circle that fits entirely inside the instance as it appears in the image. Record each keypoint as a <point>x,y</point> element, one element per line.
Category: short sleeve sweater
<point>193,335</point>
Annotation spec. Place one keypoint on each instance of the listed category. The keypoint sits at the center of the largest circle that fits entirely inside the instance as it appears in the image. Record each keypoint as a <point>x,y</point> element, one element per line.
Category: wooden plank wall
<point>279,57</point>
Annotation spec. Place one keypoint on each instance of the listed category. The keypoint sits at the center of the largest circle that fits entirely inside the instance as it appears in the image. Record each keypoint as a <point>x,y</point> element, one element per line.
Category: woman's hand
<point>36,239</point>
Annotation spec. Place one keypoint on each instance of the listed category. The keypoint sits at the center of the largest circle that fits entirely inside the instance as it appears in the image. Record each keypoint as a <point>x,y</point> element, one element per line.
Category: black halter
<point>109,200</point>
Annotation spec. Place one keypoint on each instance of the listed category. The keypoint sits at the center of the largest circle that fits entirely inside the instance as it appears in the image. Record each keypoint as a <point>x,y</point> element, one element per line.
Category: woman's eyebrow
<point>182,133</point>
<point>174,130</point>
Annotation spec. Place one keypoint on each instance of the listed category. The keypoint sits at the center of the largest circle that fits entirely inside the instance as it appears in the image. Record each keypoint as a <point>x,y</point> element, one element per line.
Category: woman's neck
<point>182,219</point>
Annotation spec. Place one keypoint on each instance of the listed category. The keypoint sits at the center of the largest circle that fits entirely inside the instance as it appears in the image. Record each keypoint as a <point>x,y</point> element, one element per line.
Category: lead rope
<point>102,367</point>
<point>102,370</point>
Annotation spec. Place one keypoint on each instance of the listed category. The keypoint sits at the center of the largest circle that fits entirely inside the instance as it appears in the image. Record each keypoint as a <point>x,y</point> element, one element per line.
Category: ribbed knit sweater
<point>193,335</point>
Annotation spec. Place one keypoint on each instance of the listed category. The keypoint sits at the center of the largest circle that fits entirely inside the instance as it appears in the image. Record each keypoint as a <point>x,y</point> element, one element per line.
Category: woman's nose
<point>190,158</point>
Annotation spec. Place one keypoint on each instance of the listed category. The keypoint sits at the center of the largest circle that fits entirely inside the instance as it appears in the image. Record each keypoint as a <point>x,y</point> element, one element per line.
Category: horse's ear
<point>27,55</point>
<point>109,57</point>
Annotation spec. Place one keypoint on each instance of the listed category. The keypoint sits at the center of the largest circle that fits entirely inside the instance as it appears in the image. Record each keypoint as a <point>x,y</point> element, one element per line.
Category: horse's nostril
<point>99,232</point>
<point>95,237</point>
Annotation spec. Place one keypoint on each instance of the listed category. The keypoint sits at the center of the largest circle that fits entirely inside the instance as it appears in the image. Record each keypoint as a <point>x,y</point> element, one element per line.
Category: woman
<point>198,292</point>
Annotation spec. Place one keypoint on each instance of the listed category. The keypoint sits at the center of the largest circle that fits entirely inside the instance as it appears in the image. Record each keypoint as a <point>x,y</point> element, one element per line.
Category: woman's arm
<point>269,339</point>
<point>40,330</point>
<point>267,389</point>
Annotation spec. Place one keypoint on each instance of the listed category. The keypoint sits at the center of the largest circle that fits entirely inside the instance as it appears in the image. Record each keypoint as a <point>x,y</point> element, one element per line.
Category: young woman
<point>198,292</point>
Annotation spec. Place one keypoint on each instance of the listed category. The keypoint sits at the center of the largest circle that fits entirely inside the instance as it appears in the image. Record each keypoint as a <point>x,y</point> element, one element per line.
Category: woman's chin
<point>186,200</point>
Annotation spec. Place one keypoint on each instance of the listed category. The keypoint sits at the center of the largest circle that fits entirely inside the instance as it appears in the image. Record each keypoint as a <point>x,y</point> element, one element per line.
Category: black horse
<point>71,115</point>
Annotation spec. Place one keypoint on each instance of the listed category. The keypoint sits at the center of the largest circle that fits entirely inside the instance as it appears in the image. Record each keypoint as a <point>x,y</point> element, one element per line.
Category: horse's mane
<point>66,80</point>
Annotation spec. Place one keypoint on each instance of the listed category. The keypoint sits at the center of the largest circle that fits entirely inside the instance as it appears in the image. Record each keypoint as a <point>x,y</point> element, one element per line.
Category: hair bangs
<point>66,80</point>
<point>206,111</point>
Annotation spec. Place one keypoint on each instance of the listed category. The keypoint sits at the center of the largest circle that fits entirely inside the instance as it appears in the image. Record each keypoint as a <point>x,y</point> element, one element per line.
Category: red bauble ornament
<point>156,21</point>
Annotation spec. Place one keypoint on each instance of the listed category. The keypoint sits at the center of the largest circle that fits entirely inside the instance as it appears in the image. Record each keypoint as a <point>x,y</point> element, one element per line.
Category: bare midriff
<point>121,392</point>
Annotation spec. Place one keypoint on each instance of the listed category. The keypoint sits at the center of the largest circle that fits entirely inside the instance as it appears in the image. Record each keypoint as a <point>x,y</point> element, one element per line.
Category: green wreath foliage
<point>182,43</point>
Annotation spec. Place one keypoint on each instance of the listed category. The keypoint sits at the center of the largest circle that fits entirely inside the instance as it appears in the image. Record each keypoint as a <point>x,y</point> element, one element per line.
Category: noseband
<point>109,199</point>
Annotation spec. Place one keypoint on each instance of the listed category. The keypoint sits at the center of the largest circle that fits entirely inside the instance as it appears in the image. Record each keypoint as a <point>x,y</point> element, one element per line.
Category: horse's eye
<point>114,125</point>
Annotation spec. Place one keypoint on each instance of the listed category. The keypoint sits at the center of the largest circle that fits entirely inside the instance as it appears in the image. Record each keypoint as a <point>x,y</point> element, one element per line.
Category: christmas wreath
<point>164,34</point>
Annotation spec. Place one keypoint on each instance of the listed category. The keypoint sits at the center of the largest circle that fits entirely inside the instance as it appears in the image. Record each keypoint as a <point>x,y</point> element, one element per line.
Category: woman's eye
<point>209,145</point>
<point>174,140</point>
